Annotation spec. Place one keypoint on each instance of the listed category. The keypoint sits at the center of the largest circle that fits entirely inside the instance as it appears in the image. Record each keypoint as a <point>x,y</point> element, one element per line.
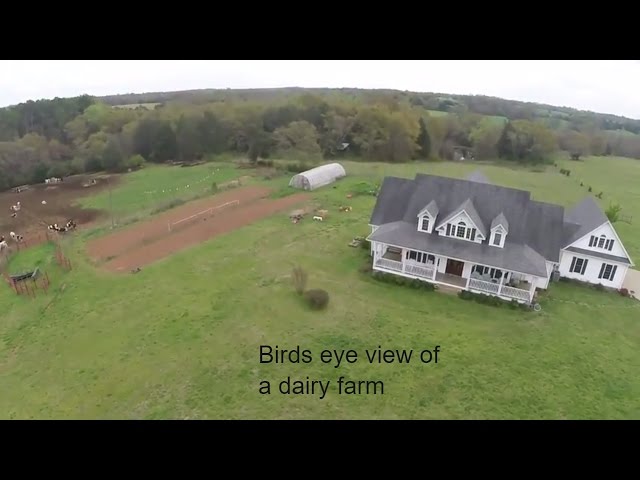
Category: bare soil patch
<point>33,217</point>
<point>147,242</point>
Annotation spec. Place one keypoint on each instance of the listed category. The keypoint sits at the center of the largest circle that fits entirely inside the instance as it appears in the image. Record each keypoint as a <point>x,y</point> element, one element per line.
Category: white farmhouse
<point>472,235</point>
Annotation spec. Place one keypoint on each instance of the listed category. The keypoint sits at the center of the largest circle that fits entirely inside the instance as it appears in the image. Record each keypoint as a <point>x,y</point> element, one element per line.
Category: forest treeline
<point>45,138</point>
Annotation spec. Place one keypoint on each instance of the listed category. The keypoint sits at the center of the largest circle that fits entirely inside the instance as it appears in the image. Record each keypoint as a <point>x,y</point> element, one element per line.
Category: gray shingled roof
<point>500,220</point>
<point>585,217</point>
<point>478,176</point>
<point>431,209</point>
<point>536,224</point>
<point>516,257</point>
<point>606,256</point>
<point>467,206</point>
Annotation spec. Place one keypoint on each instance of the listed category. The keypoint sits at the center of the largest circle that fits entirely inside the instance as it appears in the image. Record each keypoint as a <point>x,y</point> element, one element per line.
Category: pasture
<point>181,338</point>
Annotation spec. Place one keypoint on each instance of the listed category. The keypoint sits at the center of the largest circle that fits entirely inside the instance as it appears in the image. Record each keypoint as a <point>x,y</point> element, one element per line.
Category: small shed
<point>318,177</point>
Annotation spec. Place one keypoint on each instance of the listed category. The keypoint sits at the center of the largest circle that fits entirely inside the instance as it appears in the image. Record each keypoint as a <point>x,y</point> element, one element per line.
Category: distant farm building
<point>318,177</point>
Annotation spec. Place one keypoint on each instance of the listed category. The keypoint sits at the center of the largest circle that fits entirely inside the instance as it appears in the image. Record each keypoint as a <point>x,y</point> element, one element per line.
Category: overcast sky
<point>608,86</point>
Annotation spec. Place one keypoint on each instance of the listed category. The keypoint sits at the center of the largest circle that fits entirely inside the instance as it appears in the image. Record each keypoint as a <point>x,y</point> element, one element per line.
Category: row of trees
<point>65,136</point>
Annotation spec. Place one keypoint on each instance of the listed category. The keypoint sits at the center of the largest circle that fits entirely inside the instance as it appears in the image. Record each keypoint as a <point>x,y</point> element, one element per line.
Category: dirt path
<point>150,241</point>
<point>148,231</point>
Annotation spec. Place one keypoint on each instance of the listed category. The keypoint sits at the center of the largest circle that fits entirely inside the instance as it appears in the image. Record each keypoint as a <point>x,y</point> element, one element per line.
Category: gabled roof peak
<point>431,209</point>
<point>467,207</point>
<point>500,219</point>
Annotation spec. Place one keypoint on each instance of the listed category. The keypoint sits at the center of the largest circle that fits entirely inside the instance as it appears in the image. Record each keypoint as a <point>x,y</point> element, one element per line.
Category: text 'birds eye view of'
<point>373,251</point>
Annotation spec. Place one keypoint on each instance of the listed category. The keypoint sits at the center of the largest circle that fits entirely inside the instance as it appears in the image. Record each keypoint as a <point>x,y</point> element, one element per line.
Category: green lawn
<point>181,338</point>
<point>154,186</point>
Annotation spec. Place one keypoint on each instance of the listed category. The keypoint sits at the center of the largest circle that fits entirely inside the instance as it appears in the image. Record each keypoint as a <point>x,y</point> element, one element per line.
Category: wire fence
<point>203,214</point>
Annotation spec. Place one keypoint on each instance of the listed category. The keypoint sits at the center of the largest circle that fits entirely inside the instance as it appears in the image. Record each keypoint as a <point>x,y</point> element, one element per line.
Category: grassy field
<point>157,186</point>
<point>496,118</point>
<point>181,338</point>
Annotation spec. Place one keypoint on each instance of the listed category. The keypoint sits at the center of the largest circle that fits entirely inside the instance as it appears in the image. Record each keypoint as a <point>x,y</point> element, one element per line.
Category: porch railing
<point>419,270</point>
<point>490,287</point>
<point>389,264</point>
<point>516,293</point>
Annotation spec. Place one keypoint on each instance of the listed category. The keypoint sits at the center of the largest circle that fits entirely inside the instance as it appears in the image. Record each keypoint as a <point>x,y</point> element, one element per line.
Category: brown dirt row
<point>226,221</point>
<point>148,231</point>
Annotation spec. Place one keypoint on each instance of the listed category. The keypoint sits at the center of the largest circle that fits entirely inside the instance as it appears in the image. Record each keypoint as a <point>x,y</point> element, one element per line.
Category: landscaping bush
<point>613,212</point>
<point>297,167</point>
<point>364,188</point>
<point>491,300</point>
<point>624,292</point>
<point>299,277</point>
<point>599,287</point>
<point>403,281</point>
<point>317,299</point>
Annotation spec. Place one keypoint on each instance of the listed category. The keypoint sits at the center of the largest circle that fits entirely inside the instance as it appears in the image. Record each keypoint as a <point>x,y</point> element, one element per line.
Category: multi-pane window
<point>607,271</point>
<point>497,238</point>
<point>601,242</point>
<point>460,231</point>
<point>578,265</point>
<point>425,224</point>
<point>420,257</point>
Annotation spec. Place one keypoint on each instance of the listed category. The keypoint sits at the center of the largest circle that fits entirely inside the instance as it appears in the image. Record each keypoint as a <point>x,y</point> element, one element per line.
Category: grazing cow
<point>3,244</point>
<point>69,226</point>
<point>318,218</point>
<point>16,238</point>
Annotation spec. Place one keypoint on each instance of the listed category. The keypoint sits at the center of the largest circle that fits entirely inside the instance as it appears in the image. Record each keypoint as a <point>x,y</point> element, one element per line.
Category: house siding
<point>592,271</point>
<point>609,232</point>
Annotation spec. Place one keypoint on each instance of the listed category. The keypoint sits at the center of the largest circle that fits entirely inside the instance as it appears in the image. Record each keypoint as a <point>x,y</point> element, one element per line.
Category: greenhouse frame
<point>318,177</point>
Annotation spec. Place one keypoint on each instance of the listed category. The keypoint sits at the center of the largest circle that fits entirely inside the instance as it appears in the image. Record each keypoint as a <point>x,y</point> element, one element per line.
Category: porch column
<point>501,282</point>
<point>468,278</point>
<point>435,267</point>
<point>402,254</point>
<point>532,290</point>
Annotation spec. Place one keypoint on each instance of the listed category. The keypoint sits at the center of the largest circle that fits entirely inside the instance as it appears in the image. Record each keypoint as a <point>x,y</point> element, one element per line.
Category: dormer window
<point>463,223</point>
<point>499,231</point>
<point>427,217</point>
<point>498,236</point>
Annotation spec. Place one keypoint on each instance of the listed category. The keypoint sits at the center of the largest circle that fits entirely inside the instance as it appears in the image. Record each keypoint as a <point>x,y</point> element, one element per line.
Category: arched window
<point>601,242</point>
<point>462,228</point>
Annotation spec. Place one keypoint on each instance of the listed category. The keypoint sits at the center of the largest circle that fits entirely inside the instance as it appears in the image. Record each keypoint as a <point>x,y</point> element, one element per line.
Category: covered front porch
<point>455,273</point>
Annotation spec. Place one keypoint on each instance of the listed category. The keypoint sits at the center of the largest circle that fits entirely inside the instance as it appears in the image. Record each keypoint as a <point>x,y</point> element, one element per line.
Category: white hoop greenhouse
<point>318,177</point>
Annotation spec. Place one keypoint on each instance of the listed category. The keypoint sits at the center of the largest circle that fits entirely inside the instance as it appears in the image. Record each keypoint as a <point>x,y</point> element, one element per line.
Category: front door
<point>454,267</point>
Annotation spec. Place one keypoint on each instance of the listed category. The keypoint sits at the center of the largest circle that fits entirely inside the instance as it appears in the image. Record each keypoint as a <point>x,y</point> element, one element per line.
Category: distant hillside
<point>44,138</point>
<point>556,117</point>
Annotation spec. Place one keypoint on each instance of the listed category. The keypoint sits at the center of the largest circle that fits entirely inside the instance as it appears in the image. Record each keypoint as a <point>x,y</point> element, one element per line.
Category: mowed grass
<point>181,338</point>
<point>156,185</point>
